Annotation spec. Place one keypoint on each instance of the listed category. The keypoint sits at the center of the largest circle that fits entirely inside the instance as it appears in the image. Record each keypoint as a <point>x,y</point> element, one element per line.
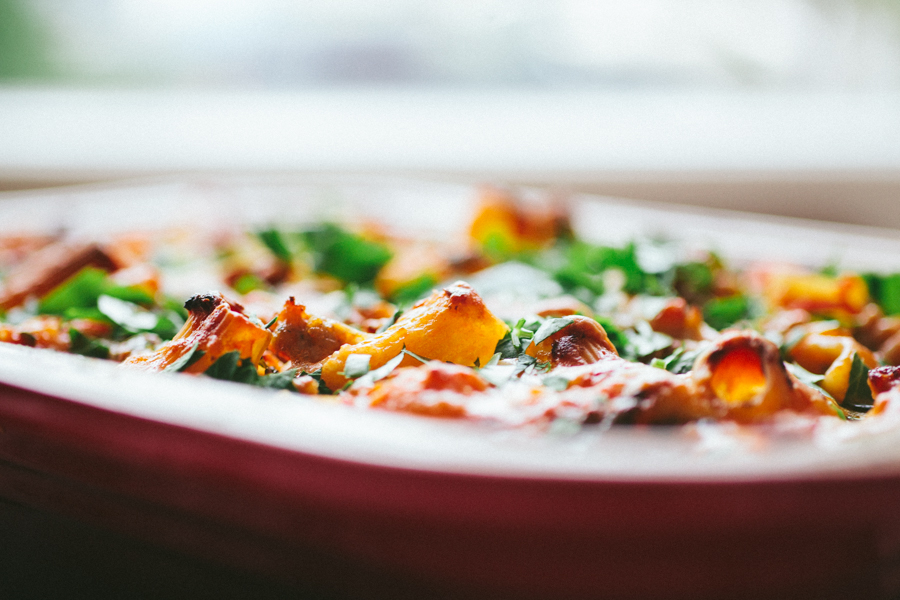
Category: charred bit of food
<point>215,326</point>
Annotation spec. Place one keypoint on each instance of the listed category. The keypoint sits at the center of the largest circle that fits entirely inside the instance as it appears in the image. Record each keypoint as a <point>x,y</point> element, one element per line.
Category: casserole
<point>346,498</point>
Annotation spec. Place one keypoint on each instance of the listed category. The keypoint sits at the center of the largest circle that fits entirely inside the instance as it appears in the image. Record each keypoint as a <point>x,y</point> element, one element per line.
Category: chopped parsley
<point>859,394</point>
<point>414,290</point>
<point>722,313</point>
<point>185,360</point>
<point>82,290</point>
<point>85,346</point>
<point>277,243</point>
<point>615,335</point>
<point>231,367</point>
<point>381,372</point>
<point>811,379</point>
<point>885,291</point>
<point>550,327</point>
<point>644,343</point>
<point>90,294</point>
<point>356,366</point>
<point>345,255</point>
<point>679,362</point>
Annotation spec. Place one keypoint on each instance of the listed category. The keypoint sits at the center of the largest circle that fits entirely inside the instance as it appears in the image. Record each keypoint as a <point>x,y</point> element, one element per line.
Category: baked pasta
<point>517,322</point>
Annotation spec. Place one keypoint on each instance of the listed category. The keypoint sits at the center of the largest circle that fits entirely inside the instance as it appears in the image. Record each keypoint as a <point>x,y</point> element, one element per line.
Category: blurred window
<point>837,45</point>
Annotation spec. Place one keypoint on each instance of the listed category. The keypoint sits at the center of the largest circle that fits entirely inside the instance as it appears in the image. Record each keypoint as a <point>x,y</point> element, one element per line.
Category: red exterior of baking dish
<point>367,530</point>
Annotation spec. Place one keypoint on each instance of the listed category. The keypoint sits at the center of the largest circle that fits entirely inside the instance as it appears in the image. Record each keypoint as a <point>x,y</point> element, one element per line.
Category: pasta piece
<point>741,376</point>
<point>215,326</point>
<point>830,353</point>
<point>679,320</point>
<point>872,328</point>
<point>878,332</point>
<point>502,225</point>
<point>304,340</point>
<point>890,350</point>
<point>48,268</point>
<point>582,342</point>
<point>836,297</point>
<point>451,325</point>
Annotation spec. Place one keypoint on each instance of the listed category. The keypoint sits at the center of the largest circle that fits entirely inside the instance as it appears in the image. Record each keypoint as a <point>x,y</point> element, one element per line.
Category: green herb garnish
<point>421,359</point>
<point>344,255</point>
<point>859,394</point>
<point>679,362</point>
<point>185,360</point>
<point>811,379</point>
<point>724,312</point>
<point>127,315</point>
<point>414,290</point>
<point>390,322</point>
<point>643,342</point>
<point>356,366</point>
<point>551,326</point>
<point>248,282</point>
<point>885,291</point>
<point>81,344</point>
<point>230,367</point>
<point>380,373</point>
<point>275,241</point>
<point>84,288</point>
